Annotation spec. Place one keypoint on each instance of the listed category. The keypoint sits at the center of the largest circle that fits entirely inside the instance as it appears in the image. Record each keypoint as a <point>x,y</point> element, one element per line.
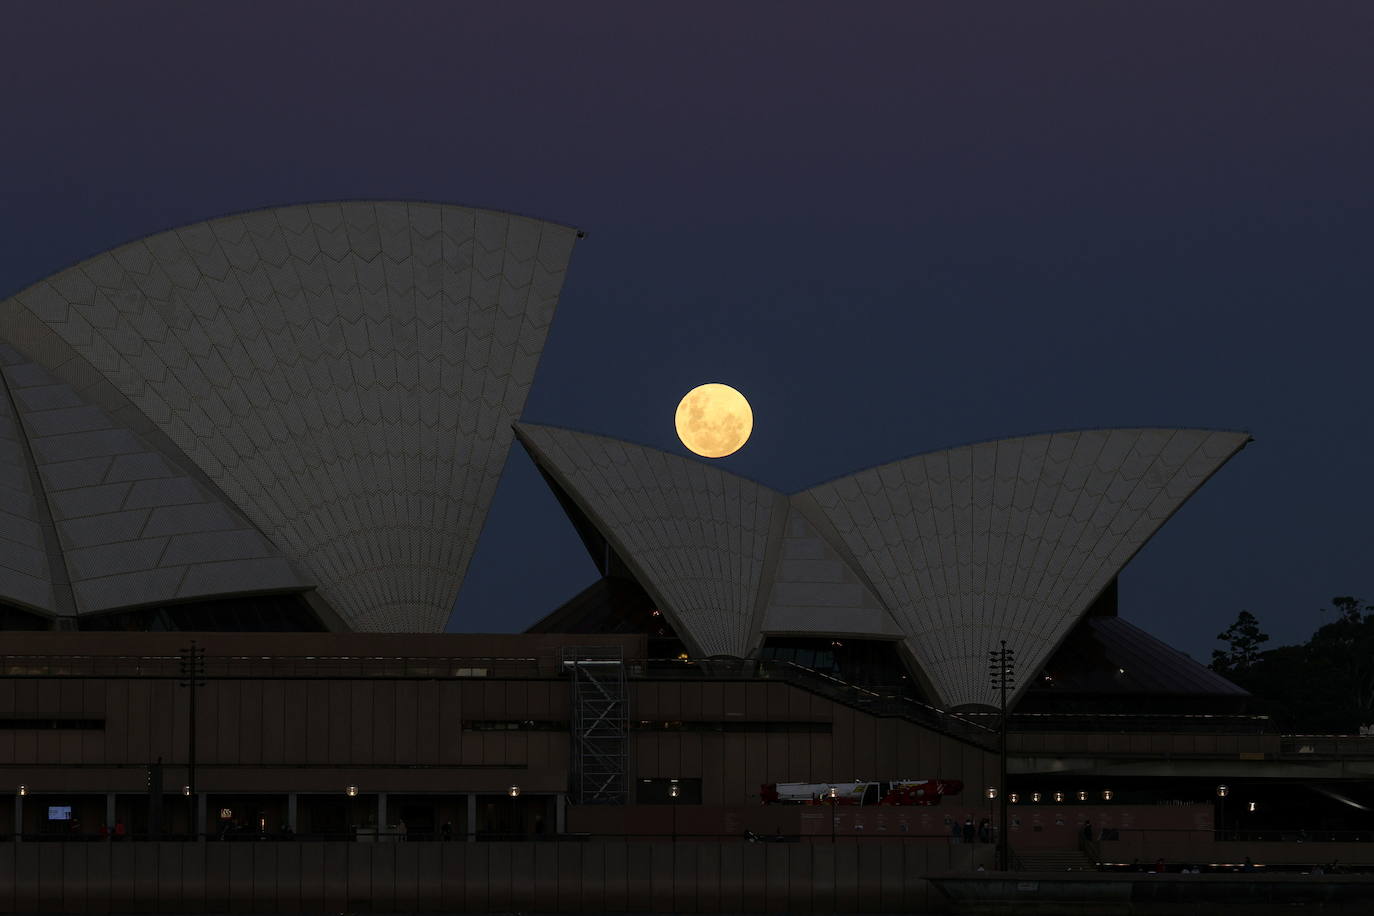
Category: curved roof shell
<point>949,552</point>
<point>696,536</point>
<point>1013,539</point>
<point>339,379</point>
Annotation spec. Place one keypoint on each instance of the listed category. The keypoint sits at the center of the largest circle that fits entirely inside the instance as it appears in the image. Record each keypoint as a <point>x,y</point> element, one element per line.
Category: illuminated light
<point>714,420</point>
<point>513,791</point>
<point>1223,791</point>
<point>1014,798</point>
<point>1059,796</point>
<point>1106,794</point>
<point>1120,670</point>
<point>1252,806</point>
<point>836,644</point>
<point>23,790</point>
<point>1082,796</point>
<point>226,813</point>
<point>185,790</point>
<point>1035,796</point>
<point>351,791</point>
<point>991,792</point>
<point>673,790</point>
<point>682,656</point>
<point>656,614</point>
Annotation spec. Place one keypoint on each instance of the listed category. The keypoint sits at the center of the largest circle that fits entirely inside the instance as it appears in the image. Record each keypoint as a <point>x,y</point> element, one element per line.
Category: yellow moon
<point>714,420</point>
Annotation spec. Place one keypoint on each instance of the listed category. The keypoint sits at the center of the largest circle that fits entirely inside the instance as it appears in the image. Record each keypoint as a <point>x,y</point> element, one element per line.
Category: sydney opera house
<point>278,434</point>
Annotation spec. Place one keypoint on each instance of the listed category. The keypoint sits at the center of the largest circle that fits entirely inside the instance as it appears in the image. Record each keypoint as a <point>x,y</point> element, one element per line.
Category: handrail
<point>821,684</point>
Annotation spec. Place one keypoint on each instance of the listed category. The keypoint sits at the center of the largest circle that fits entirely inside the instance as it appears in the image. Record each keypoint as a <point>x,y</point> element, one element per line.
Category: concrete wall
<point>593,877</point>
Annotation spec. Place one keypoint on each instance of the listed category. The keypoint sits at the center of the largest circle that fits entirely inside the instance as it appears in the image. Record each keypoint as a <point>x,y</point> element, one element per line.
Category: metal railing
<point>1123,723</point>
<point>222,667</point>
<point>1333,746</point>
<point>832,688</point>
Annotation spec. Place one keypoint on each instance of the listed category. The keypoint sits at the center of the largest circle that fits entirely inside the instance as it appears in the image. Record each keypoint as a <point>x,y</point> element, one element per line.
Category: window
<point>50,723</point>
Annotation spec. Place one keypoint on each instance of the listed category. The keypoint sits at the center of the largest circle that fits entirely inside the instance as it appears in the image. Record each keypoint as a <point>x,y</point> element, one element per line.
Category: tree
<point>1341,654</point>
<point>1325,685</point>
<point>1243,639</point>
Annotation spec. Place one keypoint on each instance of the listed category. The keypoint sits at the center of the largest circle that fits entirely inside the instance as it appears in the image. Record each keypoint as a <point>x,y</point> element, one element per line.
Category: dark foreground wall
<point>595,877</point>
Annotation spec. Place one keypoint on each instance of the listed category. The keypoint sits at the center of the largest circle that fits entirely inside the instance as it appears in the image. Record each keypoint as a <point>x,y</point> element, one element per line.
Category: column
<point>291,811</point>
<point>110,812</point>
<point>472,818</point>
<point>381,814</point>
<point>560,809</point>
<point>18,817</point>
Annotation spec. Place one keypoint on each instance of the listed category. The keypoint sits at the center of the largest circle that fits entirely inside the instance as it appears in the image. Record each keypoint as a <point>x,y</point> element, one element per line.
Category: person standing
<point>968,828</point>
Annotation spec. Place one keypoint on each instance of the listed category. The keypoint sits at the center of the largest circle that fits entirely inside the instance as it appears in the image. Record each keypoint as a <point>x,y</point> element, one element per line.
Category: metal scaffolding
<point>600,727</point>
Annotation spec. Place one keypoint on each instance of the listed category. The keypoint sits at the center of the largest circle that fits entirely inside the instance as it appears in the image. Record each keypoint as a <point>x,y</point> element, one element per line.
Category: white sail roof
<point>1011,540</point>
<point>950,552</point>
<point>344,374</point>
<point>696,536</point>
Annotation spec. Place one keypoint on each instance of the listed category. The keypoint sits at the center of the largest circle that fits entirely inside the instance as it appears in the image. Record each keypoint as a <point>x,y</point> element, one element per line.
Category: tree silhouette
<point>1244,639</point>
<point>1323,685</point>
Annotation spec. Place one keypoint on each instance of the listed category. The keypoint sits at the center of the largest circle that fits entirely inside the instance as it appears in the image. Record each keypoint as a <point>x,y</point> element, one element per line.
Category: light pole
<point>193,676</point>
<point>673,792</point>
<point>1222,792</point>
<point>831,795</point>
<point>1000,669</point>
<point>514,792</point>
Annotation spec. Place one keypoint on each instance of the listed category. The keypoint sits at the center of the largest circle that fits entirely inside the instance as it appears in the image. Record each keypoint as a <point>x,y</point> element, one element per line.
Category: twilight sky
<point>895,227</point>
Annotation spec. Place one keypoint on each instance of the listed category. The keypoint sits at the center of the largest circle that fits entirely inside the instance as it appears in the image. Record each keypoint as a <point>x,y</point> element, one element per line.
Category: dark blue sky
<point>895,227</point>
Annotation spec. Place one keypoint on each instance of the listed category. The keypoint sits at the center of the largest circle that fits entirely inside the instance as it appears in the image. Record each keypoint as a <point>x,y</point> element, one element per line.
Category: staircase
<point>1055,860</point>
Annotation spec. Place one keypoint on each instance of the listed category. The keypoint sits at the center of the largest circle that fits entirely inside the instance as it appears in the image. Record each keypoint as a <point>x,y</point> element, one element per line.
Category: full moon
<point>714,420</point>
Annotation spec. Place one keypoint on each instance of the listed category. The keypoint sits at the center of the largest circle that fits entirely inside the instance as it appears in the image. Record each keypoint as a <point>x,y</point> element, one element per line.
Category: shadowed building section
<point>309,397</point>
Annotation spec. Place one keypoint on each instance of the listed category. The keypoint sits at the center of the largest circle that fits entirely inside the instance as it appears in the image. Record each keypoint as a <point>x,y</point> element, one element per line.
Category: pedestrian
<point>968,828</point>
<point>1087,831</point>
<point>954,832</point>
<point>984,831</point>
<point>119,830</point>
<point>402,827</point>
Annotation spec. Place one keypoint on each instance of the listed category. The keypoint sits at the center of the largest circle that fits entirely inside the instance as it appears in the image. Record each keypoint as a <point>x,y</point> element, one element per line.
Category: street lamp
<point>831,795</point>
<point>514,793</point>
<point>1222,792</point>
<point>1001,673</point>
<point>674,790</point>
<point>192,669</point>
